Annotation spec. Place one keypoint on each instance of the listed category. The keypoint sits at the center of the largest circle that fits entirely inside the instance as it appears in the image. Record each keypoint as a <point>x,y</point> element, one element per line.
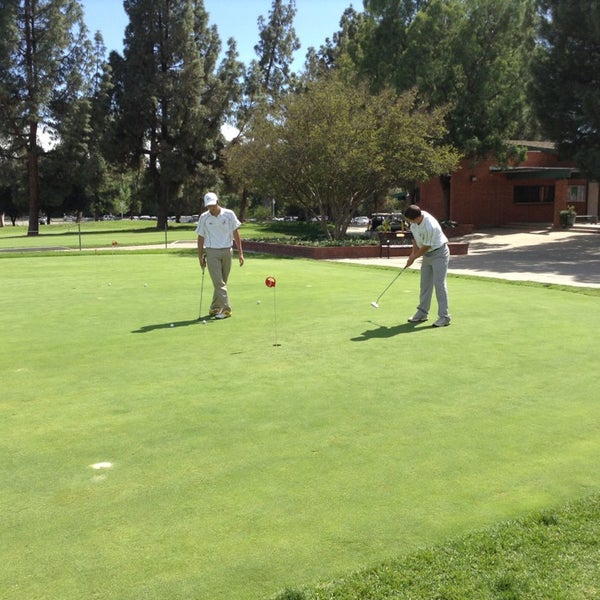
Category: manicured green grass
<point>98,234</point>
<point>240,468</point>
<point>125,232</point>
<point>549,554</point>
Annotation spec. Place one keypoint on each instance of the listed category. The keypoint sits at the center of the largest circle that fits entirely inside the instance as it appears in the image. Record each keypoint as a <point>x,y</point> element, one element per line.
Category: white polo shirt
<point>217,231</point>
<point>428,232</point>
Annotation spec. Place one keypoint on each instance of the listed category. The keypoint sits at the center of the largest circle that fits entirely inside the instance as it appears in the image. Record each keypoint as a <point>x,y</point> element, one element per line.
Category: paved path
<point>544,255</point>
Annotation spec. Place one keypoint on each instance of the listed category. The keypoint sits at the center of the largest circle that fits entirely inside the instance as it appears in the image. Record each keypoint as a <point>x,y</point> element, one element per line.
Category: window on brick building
<point>577,193</point>
<point>533,194</point>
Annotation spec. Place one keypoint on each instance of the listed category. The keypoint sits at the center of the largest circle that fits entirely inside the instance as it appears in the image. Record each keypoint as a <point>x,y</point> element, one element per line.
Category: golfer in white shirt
<point>430,243</point>
<point>217,229</point>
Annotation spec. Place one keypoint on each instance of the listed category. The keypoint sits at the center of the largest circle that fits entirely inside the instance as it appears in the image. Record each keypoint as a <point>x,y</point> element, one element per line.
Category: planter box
<point>567,219</point>
<point>336,252</point>
<point>458,231</point>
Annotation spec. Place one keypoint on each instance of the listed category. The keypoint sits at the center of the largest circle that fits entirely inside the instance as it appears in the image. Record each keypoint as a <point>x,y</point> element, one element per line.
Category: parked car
<point>360,221</point>
<point>396,221</point>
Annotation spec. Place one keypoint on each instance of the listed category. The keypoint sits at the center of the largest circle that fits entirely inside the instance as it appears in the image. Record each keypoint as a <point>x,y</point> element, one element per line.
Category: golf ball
<point>145,285</point>
<point>203,322</point>
<point>258,302</point>
<point>171,325</point>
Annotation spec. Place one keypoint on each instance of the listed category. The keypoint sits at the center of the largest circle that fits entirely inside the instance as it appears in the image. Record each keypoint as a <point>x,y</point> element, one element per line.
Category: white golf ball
<point>145,285</point>
<point>203,322</point>
<point>258,302</point>
<point>171,325</point>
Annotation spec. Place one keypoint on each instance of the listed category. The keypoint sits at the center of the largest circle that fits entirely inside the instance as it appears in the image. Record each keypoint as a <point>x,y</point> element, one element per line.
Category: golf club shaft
<point>389,285</point>
<point>201,294</point>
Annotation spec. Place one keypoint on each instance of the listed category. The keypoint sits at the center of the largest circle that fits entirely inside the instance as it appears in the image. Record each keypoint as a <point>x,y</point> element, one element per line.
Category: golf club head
<point>374,305</point>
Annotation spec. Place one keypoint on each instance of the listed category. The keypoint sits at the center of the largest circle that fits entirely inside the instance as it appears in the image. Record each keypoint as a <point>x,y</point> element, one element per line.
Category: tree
<point>75,173</point>
<point>343,49</point>
<point>336,144</point>
<point>567,79</point>
<point>278,42</point>
<point>44,55</point>
<point>12,195</point>
<point>268,77</point>
<point>472,55</point>
<point>385,37</point>
<point>173,99</point>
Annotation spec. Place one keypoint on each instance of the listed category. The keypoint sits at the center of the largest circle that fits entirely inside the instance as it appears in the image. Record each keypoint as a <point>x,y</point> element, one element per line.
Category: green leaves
<point>336,143</point>
<point>174,98</point>
<point>566,80</point>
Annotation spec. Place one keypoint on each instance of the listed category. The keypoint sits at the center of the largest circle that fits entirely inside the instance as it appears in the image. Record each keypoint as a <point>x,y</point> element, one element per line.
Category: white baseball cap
<point>210,199</point>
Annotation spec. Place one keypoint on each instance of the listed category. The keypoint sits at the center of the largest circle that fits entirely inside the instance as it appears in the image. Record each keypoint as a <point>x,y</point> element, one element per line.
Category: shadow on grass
<point>148,328</point>
<point>383,331</point>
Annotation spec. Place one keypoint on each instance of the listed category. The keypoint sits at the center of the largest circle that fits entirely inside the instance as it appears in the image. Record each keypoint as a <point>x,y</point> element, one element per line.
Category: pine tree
<point>472,55</point>
<point>173,97</point>
<point>567,79</point>
<point>268,77</point>
<point>44,53</point>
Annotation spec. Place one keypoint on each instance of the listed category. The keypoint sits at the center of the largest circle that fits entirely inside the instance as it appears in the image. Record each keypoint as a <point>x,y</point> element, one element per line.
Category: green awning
<point>537,172</point>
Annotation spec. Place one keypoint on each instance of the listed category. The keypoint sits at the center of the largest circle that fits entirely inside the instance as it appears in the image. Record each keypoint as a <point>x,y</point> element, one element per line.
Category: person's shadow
<point>156,326</point>
<point>383,331</point>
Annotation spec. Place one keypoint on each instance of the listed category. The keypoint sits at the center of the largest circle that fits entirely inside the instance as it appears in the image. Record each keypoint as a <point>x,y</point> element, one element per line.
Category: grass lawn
<point>99,234</point>
<point>125,232</point>
<point>547,554</point>
<point>240,468</point>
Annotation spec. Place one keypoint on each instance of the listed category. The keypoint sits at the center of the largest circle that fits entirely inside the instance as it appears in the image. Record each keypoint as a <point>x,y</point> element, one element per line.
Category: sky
<point>315,21</point>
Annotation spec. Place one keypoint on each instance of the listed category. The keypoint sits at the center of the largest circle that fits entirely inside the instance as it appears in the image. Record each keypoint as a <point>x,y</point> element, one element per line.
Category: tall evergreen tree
<point>275,50</point>
<point>44,61</point>
<point>483,72</point>
<point>567,79</point>
<point>268,77</point>
<point>76,176</point>
<point>344,48</point>
<point>472,55</point>
<point>386,37</point>
<point>173,96</point>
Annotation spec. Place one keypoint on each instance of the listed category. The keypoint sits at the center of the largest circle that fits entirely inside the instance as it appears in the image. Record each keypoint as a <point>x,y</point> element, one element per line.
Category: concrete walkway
<point>543,254</point>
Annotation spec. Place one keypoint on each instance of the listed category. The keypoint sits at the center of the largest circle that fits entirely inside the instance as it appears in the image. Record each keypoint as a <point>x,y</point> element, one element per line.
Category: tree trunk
<point>446,182</point>
<point>163,206</point>
<point>32,177</point>
<point>243,205</point>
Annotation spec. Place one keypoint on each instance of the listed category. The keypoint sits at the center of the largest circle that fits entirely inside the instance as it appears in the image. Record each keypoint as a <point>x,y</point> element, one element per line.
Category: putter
<point>376,303</point>
<point>201,294</point>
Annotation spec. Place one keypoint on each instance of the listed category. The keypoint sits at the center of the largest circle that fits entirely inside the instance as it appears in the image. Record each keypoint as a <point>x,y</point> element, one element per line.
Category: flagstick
<point>275,315</point>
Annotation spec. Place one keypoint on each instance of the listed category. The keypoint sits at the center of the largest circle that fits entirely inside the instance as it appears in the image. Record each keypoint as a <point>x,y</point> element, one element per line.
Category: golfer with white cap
<point>217,229</point>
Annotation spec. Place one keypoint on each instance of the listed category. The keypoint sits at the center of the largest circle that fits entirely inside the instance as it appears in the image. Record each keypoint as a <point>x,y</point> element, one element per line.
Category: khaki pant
<point>218,261</point>
<point>434,269</point>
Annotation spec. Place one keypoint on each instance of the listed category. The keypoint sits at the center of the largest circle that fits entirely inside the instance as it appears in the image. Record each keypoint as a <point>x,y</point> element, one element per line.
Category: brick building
<point>486,194</point>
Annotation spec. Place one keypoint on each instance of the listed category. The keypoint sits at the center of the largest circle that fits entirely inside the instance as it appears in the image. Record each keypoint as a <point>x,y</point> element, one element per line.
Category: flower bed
<point>336,252</point>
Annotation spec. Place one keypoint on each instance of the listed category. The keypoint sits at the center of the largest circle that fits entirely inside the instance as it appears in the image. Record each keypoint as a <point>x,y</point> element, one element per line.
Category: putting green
<point>238,467</point>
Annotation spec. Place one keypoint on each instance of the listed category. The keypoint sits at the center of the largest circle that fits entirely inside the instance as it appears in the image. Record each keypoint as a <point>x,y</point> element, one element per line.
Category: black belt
<point>436,249</point>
